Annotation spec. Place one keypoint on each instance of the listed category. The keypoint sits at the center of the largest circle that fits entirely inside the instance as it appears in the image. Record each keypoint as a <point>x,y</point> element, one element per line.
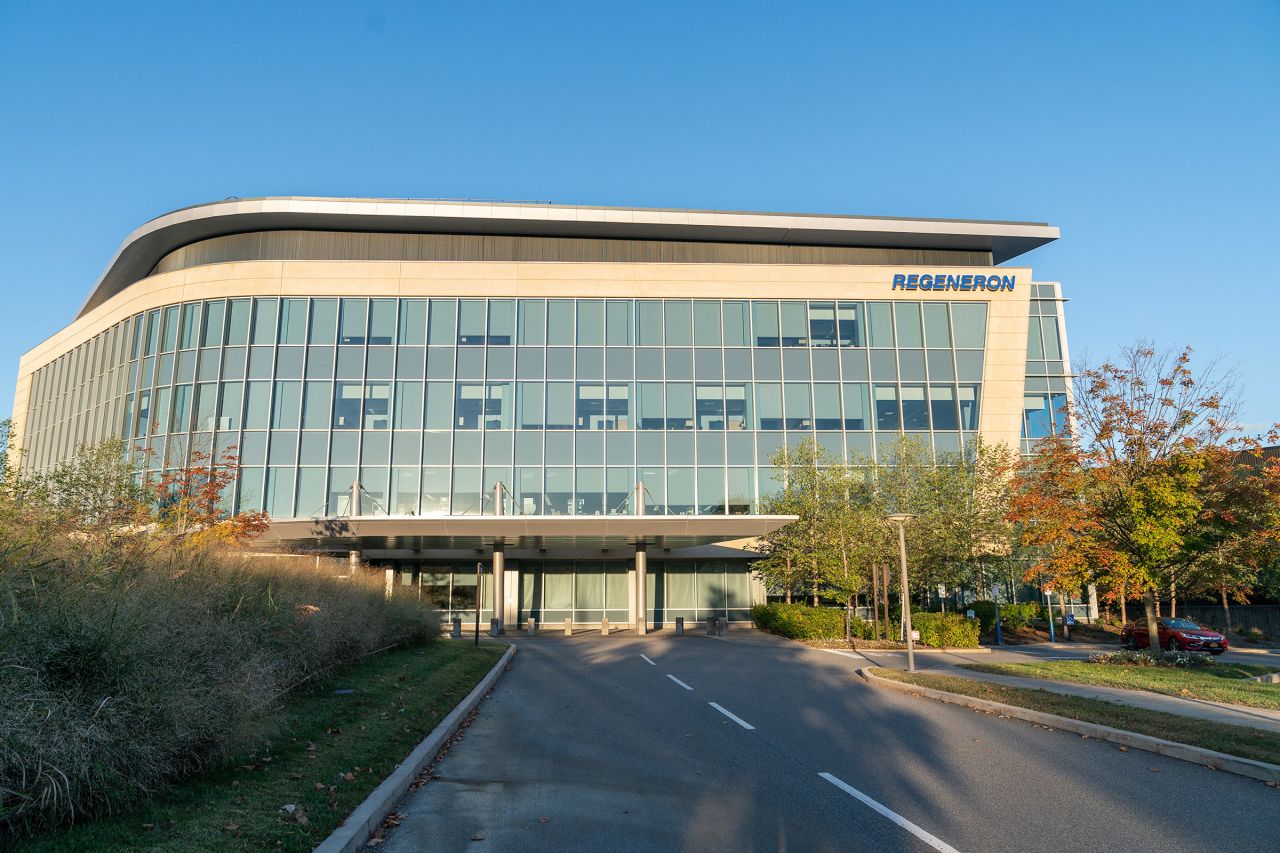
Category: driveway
<point>749,742</point>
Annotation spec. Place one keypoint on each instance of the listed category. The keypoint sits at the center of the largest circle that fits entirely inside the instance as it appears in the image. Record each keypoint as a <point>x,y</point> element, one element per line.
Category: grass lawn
<point>1233,740</point>
<point>325,752</point>
<point>1221,683</point>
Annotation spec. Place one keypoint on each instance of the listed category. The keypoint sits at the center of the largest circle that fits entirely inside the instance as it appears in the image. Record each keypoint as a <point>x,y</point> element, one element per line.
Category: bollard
<point>679,626</point>
<point>568,626</point>
<point>721,624</point>
<point>604,626</point>
<point>531,626</point>
<point>456,633</point>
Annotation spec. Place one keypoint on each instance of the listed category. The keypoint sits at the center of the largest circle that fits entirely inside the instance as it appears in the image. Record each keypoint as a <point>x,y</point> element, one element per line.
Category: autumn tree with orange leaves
<point>98,497</point>
<point>1139,489</point>
<point>189,505</point>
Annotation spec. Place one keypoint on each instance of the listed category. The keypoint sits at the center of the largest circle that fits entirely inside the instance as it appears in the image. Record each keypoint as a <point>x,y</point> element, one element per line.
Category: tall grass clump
<point>118,678</point>
<point>133,658</point>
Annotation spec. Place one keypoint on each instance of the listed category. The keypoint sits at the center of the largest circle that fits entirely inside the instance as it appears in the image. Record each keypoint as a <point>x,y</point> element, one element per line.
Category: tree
<point>799,551</point>
<point>1117,496</point>
<point>904,481</point>
<point>969,524</point>
<point>1238,532</point>
<point>93,495</point>
<point>96,493</point>
<point>840,539</point>
<point>853,525</point>
<point>189,502</point>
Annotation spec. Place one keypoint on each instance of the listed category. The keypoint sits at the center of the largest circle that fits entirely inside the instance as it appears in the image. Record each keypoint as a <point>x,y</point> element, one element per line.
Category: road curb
<point>1241,651</point>
<point>368,816</point>
<point>981,650</point>
<point>1197,755</point>
<point>1080,647</point>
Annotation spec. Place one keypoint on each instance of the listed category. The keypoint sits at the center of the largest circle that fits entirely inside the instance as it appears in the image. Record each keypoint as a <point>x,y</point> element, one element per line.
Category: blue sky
<point>1149,132</point>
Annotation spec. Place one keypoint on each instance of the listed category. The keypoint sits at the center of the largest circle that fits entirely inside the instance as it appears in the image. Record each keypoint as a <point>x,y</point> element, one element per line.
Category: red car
<point>1175,635</point>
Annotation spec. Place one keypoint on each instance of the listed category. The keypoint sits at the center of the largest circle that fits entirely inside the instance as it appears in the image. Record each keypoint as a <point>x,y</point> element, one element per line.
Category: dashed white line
<point>932,841</point>
<point>733,717</point>
<point>646,660</point>
<point>678,681</point>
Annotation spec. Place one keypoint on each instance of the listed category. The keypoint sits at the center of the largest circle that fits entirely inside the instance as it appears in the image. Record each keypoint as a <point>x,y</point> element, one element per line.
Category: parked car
<point>1175,635</point>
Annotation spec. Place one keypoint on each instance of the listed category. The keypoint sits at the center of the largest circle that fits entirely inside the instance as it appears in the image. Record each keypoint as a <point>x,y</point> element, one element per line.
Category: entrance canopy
<point>531,532</point>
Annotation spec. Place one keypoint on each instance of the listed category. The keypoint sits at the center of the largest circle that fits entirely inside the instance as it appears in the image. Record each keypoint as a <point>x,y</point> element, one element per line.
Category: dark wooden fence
<point>1265,617</point>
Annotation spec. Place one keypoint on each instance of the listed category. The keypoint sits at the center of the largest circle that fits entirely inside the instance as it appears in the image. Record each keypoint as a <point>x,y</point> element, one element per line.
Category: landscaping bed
<point>1234,740</point>
<point>823,627</point>
<point>1221,682</point>
<point>324,751</point>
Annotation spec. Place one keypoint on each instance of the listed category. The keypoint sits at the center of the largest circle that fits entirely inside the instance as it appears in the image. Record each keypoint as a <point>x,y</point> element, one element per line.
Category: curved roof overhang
<point>531,532</point>
<point>140,252</point>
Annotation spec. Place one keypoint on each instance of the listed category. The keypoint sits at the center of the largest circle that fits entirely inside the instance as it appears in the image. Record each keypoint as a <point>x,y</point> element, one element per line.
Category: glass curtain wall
<point>427,403</point>
<point>1048,373</point>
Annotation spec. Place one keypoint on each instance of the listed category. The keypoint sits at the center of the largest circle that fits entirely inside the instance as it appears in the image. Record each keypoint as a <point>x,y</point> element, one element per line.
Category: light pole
<point>901,519</point>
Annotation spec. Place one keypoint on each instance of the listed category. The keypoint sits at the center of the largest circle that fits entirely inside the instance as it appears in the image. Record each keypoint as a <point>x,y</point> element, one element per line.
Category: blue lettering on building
<point>939,283</point>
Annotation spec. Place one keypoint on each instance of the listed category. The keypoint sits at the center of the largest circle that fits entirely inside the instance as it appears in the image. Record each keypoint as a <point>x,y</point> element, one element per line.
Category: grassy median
<point>1233,740</point>
<point>1223,682</point>
<point>325,751</point>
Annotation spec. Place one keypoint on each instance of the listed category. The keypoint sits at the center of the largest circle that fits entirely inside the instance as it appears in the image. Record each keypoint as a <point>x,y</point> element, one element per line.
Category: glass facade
<point>429,402</point>
<point>585,591</point>
<point>1048,372</point>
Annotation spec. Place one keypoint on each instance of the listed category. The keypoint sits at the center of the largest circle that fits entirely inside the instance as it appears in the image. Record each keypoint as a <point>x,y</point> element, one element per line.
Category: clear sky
<point>1149,132</point>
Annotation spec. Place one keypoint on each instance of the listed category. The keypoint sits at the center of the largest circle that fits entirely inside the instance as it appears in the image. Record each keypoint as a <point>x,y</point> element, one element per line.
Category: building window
<point>969,324</point>
<point>887,408</point>
<point>968,397</point>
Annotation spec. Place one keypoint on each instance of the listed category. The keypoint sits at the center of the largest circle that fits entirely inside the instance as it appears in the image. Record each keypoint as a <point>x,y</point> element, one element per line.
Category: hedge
<point>801,622</point>
<point>945,629</point>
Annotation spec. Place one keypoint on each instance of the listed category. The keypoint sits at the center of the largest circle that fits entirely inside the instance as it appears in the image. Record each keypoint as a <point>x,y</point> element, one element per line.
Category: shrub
<point>985,611</point>
<point>123,670</point>
<point>946,629</point>
<point>1015,616</point>
<point>1012,616</point>
<point>801,622</point>
<point>1254,634</point>
<point>1144,657</point>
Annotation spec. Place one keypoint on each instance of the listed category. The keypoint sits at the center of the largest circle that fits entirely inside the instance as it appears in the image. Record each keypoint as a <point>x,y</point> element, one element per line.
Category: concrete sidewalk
<point>1236,715</point>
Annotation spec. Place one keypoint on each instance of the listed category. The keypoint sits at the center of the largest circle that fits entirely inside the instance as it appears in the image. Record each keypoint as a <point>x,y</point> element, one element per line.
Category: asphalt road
<point>586,745</point>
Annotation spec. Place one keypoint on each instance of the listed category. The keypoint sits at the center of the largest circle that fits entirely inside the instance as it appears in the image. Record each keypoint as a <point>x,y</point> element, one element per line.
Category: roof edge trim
<point>141,250</point>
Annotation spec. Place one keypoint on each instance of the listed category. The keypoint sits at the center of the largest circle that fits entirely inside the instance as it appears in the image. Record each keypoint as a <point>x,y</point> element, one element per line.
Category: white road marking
<point>646,660</point>
<point>678,681</point>
<point>932,841</point>
<point>733,717</point>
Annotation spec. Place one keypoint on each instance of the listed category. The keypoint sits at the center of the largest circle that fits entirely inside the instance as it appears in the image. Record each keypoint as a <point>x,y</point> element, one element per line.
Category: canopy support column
<point>642,589</point>
<point>499,564</point>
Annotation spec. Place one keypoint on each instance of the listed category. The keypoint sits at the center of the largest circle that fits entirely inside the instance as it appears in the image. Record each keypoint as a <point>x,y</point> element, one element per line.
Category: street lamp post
<point>901,519</point>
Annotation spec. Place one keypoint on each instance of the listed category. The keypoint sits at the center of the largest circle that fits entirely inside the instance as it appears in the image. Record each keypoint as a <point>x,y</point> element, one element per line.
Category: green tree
<point>1237,535</point>
<point>1119,495</point>
<point>853,526</point>
<point>968,521</point>
<point>798,553</point>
